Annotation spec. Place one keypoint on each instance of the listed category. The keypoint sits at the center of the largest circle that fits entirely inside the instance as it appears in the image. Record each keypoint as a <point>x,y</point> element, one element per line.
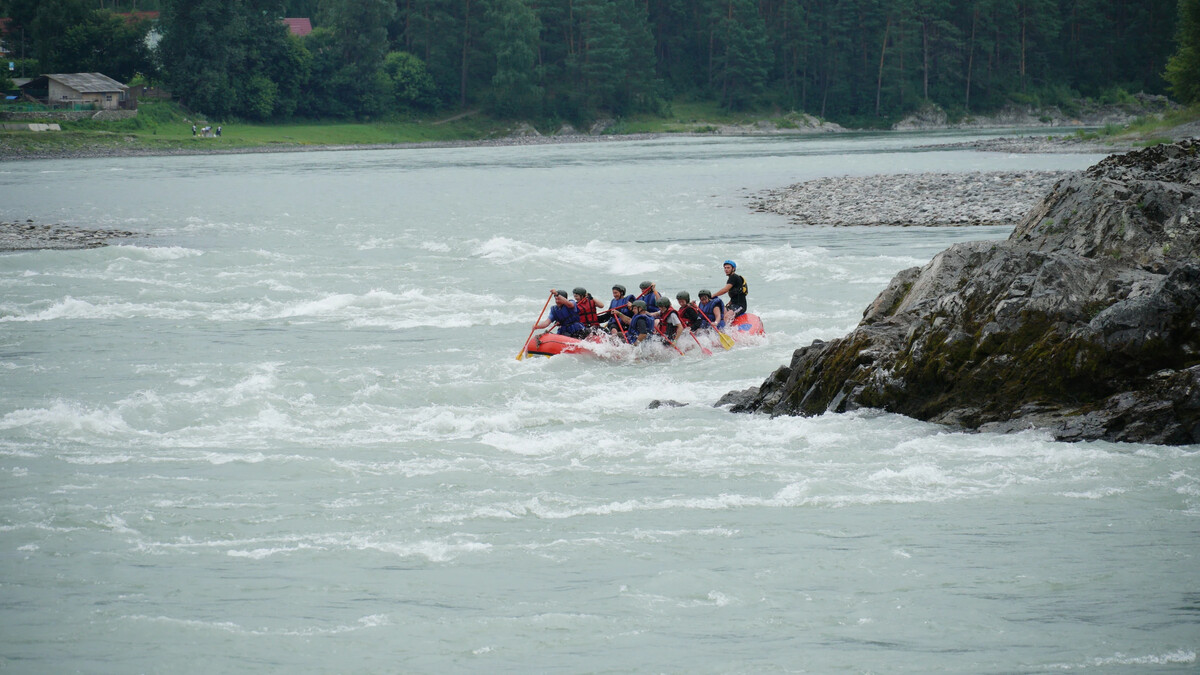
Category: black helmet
<point>619,287</point>
<point>640,304</point>
<point>580,290</point>
<point>683,297</point>
<point>645,284</point>
<point>663,302</point>
<point>562,293</point>
<point>705,293</point>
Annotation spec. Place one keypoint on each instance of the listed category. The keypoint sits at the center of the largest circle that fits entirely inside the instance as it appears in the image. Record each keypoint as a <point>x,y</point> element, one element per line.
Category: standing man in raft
<point>735,286</point>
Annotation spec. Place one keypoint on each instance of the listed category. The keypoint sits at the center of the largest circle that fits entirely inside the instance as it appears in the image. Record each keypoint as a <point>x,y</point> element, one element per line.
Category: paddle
<point>671,343</point>
<point>663,335</point>
<point>705,350</point>
<point>726,341</point>
<point>535,323</point>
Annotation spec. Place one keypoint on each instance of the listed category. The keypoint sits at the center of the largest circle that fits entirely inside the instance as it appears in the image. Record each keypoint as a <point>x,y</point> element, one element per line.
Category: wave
<point>374,309</point>
<point>155,253</point>
<point>365,622</point>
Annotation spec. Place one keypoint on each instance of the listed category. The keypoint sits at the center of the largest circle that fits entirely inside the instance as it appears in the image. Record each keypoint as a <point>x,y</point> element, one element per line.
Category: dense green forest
<point>848,60</point>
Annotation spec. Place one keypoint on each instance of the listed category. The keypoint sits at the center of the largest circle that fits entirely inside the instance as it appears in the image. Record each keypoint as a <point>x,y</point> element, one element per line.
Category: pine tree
<point>198,53</point>
<point>359,29</point>
<point>745,55</point>
<point>1183,70</point>
<point>427,24</point>
<point>513,37</point>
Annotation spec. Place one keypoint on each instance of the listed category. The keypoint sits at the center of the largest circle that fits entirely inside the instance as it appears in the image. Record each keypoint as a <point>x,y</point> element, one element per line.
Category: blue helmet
<point>731,264</point>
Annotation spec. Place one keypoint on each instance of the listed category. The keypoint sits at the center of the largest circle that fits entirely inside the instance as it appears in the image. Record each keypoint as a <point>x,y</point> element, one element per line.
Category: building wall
<point>60,93</point>
<point>104,101</point>
<point>106,115</point>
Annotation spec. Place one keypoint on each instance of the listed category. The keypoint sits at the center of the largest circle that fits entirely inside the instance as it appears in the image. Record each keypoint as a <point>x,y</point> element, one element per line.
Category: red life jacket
<point>587,312</point>
<point>662,327</point>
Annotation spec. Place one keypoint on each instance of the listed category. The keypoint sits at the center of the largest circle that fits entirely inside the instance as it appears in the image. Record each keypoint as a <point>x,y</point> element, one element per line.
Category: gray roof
<point>88,83</point>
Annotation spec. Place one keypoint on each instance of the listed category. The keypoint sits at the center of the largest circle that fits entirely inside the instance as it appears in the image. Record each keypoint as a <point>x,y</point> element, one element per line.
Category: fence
<point>27,107</point>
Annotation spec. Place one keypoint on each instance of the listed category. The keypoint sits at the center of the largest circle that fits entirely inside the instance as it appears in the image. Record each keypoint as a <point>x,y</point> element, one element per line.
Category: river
<point>286,431</point>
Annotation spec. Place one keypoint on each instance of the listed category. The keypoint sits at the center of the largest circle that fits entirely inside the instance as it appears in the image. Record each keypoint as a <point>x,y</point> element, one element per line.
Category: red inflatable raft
<point>550,344</point>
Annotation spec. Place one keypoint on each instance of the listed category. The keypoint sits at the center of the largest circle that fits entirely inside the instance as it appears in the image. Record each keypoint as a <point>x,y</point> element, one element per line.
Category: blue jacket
<point>707,308</point>
<point>621,304</point>
<point>641,324</point>
<point>567,318</point>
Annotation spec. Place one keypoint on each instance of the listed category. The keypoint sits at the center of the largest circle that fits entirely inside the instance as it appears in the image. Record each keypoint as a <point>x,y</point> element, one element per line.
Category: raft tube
<point>550,344</point>
<point>747,324</point>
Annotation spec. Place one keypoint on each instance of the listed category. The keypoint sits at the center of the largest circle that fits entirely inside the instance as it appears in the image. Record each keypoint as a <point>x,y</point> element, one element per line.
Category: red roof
<point>299,27</point>
<point>134,17</point>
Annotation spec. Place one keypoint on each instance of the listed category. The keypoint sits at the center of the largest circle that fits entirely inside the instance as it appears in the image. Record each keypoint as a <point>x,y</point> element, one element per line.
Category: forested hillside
<point>853,60</point>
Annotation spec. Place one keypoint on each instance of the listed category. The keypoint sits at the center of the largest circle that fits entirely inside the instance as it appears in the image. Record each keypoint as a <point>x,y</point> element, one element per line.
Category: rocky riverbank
<point>30,236</point>
<point>1085,322</point>
<point>927,199</point>
<point>1083,113</point>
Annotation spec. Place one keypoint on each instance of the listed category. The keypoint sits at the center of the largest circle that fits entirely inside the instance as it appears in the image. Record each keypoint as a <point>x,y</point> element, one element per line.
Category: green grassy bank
<point>165,127</point>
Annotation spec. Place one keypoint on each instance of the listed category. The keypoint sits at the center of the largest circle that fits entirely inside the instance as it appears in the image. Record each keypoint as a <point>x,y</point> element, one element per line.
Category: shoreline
<point>1013,144</point>
<point>507,141</point>
<point>976,198</point>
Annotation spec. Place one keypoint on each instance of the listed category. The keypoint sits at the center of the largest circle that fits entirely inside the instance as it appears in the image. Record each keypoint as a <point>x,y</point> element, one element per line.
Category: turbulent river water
<point>286,431</point>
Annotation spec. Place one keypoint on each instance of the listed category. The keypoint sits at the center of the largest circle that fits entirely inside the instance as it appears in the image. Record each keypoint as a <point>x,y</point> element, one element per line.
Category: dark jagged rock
<point>1085,322</point>
<point>659,403</point>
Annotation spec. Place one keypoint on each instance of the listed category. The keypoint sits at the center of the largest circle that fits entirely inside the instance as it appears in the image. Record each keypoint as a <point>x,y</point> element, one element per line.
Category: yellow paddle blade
<point>726,341</point>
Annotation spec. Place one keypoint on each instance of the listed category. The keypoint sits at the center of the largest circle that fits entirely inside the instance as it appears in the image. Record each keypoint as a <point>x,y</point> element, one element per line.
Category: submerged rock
<point>659,403</point>
<point>1085,322</point>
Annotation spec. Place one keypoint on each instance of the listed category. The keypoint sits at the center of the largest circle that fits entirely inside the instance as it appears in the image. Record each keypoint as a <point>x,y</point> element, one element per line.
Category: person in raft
<point>713,308</point>
<point>735,286</point>
<point>668,323</point>
<point>689,313</point>
<point>618,305</point>
<point>649,296</point>
<point>565,314</point>
<point>586,305</point>
<point>638,327</point>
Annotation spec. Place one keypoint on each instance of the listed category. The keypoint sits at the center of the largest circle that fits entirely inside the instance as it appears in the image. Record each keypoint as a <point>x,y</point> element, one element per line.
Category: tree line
<point>854,60</point>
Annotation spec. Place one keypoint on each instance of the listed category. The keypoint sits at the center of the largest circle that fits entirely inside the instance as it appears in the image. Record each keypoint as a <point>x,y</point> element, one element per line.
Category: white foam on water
<point>155,253</point>
<point>70,308</point>
<point>599,257</point>
<point>261,553</point>
<point>118,524</point>
<point>69,418</point>
<point>1179,656</point>
<point>366,622</point>
<point>440,550</point>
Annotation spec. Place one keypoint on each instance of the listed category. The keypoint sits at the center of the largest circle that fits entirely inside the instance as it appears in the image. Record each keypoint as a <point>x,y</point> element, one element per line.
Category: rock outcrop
<point>29,236</point>
<point>924,199</point>
<point>1084,113</point>
<point>1085,322</point>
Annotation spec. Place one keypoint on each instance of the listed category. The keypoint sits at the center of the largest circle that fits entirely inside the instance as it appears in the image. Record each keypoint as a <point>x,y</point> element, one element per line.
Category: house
<point>299,27</point>
<point>99,90</point>
<point>135,17</point>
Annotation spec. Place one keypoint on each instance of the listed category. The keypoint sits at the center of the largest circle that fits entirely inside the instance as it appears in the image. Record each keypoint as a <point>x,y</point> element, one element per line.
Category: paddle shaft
<point>721,337</point>
<point>535,323</point>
